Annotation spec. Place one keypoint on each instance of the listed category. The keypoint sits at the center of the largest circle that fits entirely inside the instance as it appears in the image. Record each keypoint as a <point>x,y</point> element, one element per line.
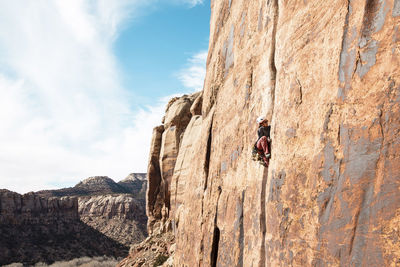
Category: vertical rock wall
<point>327,76</point>
<point>31,208</point>
<point>154,194</point>
<point>164,150</point>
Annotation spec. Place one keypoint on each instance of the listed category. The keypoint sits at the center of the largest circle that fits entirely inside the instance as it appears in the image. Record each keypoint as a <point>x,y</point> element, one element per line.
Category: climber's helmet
<point>260,119</point>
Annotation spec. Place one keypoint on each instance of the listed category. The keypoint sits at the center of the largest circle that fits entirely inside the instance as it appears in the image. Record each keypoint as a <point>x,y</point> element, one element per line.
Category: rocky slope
<point>327,76</point>
<point>111,208</point>
<point>121,217</point>
<point>37,229</point>
<point>89,219</point>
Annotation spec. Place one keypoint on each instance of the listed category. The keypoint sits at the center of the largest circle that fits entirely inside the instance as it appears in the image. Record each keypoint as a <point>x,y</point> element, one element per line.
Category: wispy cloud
<point>192,76</point>
<point>64,114</point>
<point>191,3</point>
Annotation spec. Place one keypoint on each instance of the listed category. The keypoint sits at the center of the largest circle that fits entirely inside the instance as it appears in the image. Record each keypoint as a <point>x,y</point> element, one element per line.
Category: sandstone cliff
<point>111,208</point>
<point>89,219</point>
<point>115,216</point>
<point>34,229</point>
<point>327,76</point>
<point>163,154</point>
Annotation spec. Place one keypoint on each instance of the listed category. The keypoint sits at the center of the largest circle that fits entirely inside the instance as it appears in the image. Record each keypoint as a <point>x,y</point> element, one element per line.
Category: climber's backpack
<point>255,154</point>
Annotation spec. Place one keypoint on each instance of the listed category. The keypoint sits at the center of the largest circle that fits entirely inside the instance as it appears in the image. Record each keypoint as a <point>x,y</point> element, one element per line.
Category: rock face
<point>155,190</point>
<point>115,216</point>
<point>327,76</point>
<point>30,208</point>
<point>111,208</point>
<point>153,251</point>
<point>163,154</point>
<point>34,229</point>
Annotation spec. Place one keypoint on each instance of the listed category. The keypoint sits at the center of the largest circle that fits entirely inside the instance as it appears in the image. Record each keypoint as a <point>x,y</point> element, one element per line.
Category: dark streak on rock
<point>208,155</point>
<point>284,226</point>
<point>272,63</point>
<point>381,126</point>
<point>367,58</point>
<point>330,170</point>
<point>374,19</point>
<point>216,234</point>
<point>215,245</point>
<point>300,100</point>
<point>353,234</point>
<point>362,227</point>
<point>275,186</point>
<point>241,231</point>
<point>242,24</point>
<point>263,227</point>
<point>396,8</point>
<point>328,117</point>
<point>260,20</point>
<point>360,159</point>
<point>290,133</point>
<point>343,50</point>
<point>227,51</point>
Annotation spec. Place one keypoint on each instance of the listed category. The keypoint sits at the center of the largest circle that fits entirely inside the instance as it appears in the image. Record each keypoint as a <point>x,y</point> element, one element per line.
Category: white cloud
<point>64,115</point>
<point>192,76</point>
<point>191,3</point>
<point>40,152</point>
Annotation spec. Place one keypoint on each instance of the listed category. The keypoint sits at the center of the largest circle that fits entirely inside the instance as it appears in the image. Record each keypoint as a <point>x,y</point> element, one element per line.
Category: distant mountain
<point>100,185</point>
<point>134,184</point>
<point>136,176</point>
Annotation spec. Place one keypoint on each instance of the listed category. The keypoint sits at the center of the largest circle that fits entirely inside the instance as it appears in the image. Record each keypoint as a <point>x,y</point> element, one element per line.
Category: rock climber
<point>263,139</point>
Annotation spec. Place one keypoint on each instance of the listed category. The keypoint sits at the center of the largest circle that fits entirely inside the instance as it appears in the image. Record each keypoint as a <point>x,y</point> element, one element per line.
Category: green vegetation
<point>160,260</point>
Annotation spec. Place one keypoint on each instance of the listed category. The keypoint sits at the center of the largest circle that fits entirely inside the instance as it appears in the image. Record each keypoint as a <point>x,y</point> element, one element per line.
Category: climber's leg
<point>262,144</point>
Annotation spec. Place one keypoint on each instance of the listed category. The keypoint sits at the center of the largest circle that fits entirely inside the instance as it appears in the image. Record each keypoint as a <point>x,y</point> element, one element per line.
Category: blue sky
<point>83,82</point>
<point>153,49</point>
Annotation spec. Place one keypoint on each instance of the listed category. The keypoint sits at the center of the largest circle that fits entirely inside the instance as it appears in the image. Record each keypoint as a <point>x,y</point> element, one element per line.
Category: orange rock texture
<point>326,74</point>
